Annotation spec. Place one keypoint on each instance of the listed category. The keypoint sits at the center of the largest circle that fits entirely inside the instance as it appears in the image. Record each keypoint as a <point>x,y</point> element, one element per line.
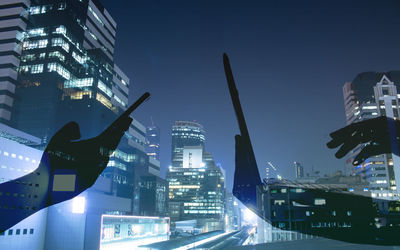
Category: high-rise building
<point>153,196</point>
<point>14,18</point>
<point>58,66</point>
<point>67,71</point>
<point>368,96</point>
<point>299,170</point>
<point>153,142</point>
<point>232,213</point>
<point>186,133</point>
<point>196,189</point>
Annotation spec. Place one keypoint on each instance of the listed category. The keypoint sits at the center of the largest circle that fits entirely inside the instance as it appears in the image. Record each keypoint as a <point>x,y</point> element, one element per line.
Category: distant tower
<point>153,141</point>
<point>186,133</point>
<point>299,170</point>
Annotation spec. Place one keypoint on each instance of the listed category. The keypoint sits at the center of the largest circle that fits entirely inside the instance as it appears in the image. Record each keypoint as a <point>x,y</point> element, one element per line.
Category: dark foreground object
<point>67,168</point>
<point>358,219</point>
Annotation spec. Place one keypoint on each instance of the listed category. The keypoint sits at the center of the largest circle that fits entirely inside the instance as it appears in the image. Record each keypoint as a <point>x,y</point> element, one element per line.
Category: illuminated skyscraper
<point>368,96</point>
<point>196,188</point>
<point>67,70</point>
<point>57,65</point>
<point>186,133</point>
<point>153,142</point>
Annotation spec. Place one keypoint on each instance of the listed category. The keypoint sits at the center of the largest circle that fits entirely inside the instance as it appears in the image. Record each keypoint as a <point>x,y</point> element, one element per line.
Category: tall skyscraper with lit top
<point>186,133</point>
<point>369,95</point>
<point>196,183</point>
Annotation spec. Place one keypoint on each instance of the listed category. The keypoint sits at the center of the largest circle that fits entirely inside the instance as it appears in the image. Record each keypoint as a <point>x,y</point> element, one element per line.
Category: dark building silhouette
<point>154,196</point>
<point>299,170</point>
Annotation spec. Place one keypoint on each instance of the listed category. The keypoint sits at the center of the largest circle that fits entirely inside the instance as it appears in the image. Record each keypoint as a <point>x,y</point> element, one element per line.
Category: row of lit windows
<point>201,212</point>
<point>12,155</point>
<point>78,58</point>
<point>36,44</point>
<point>57,54</point>
<point>32,57</point>
<point>36,32</point>
<point>330,224</point>
<point>60,42</point>
<point>104,88</point>
<point>79,83</point>
<point>17,232</point>
<point>120,101</point>
<point>41,9</point>
<point>21,195</point>
<point>117,165</point>
<point>17,169</point>
<point>59,69</point>
<point>96,16</point>
<point>33,69</point>
<point>124,156</point>
<point>78,95</point>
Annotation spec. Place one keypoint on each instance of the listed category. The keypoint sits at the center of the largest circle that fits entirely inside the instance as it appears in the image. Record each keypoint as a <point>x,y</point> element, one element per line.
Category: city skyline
<point>302,52</point>
<point>299,70</point>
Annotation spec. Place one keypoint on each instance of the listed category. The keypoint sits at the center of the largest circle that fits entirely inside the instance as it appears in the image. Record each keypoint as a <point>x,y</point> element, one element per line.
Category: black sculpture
<point>379,136</point>
<point>67,168</point>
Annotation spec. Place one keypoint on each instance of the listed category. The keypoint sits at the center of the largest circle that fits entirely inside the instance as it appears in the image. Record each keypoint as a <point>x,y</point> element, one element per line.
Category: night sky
<point>290,60</point>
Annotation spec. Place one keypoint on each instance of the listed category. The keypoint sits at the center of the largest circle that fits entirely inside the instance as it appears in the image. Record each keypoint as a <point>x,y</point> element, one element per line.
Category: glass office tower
<point>186,133</point>
<point>67,71</point>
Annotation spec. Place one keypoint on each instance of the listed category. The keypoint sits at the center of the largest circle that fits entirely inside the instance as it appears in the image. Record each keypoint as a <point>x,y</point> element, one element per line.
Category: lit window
<point>36,69</point>
<point>79,83</point>
<point>104,88</point>
<point>78,58</point>
<point>57,54</point>
<point>60,42</point>
<point>78,205</point>
<point>119,101</point>
<point>60,30</point>
<point>29,57</point>
<point>27,45</point>
<point>103,100</point>
<point>59,69</point>
<point>96,16</point>
<point>34,10</point>
<point>36,32</point>
<point>319,201</point>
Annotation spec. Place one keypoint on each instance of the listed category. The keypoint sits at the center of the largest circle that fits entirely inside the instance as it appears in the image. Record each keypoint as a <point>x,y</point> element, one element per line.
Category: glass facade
<point>196,187</point>
<point>186,133</point>
<point>129,232</point>
<point>371,95</point>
